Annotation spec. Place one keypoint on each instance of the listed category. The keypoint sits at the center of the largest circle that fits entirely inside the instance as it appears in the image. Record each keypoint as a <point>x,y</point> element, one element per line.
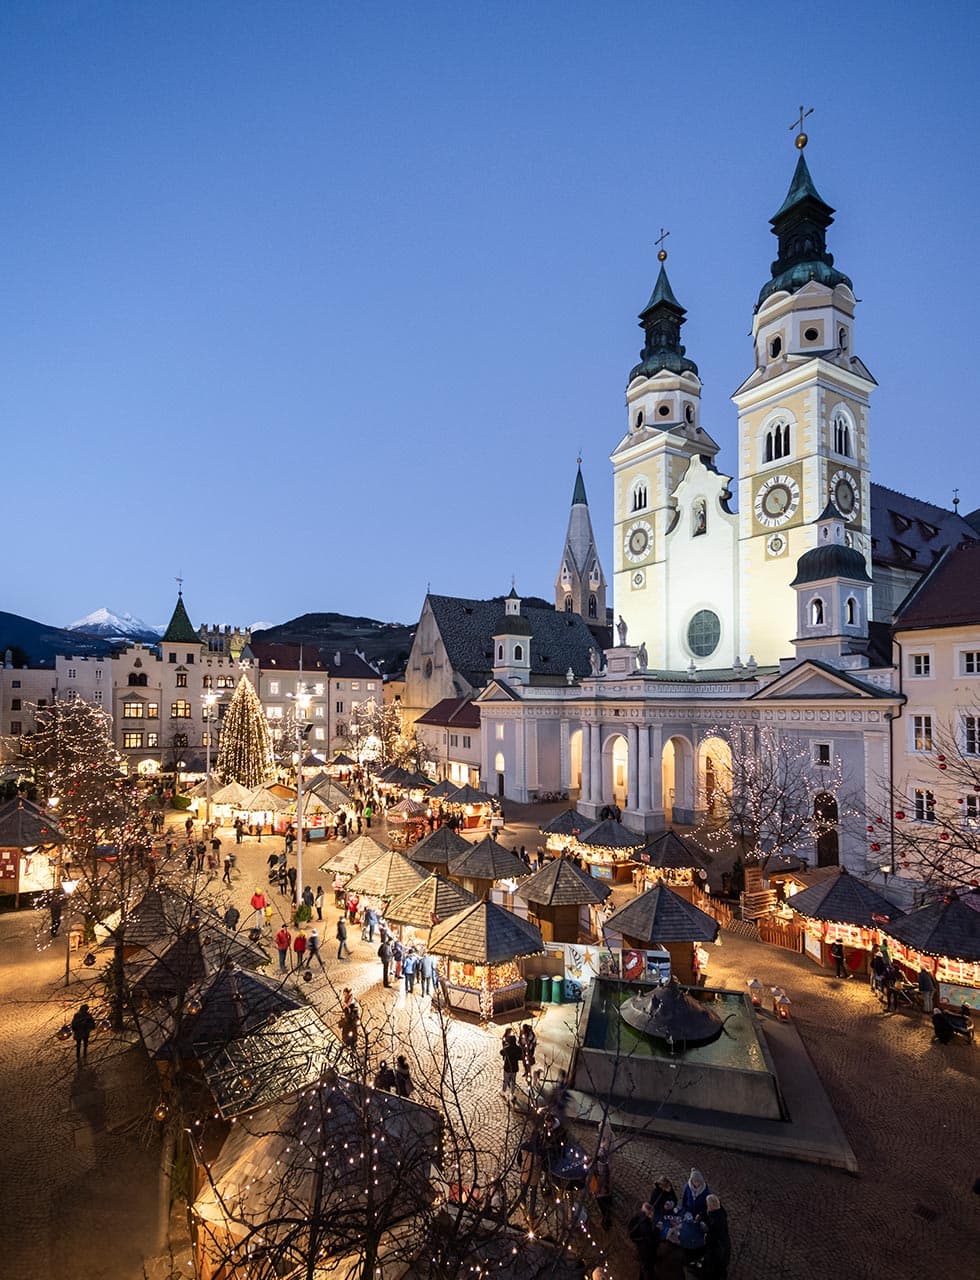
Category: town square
<point>581,878</point>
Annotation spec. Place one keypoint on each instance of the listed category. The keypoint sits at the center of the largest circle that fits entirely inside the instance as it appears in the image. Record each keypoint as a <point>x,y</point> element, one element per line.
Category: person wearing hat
<point>258,906</point>
<point>82,1026</point>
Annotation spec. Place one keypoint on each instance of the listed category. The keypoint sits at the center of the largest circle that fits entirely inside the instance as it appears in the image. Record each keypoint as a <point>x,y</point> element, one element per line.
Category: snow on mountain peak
<point>105,622</point>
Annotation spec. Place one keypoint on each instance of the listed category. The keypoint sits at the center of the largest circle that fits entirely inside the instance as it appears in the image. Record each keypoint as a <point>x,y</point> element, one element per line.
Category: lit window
<point>181,679</point>
<point>355,684</point>
<point>205,682</point>
<point>131,740</point>
<point>921,664</point>
<point>922,733</point>
<point>318,689</point>
<point>499,732</point>
<point>152,710</point>
<point>925,806</point>
<point>132,711</point>
<point>318,711</point>
<point>273,713</point>
<point>180,710</point>
<point>152,739</point>
<point>370,686</point>
<point>274,688</point>
<point>319,734</point>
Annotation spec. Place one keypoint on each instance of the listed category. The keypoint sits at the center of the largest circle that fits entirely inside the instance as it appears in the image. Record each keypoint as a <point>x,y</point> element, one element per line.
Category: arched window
<point>593,607</point>
<point>568,604</point>
<point>816,612</point>
<point>775,347</point>
<point>842,338</point>
<point>639,419</point>
<point>137,678</point>
<point>500,653</point>
<point>518,653</point>
<point>842,435</point>
<point>851,611</point>
<point>777,444</point>
<point>639,495</point>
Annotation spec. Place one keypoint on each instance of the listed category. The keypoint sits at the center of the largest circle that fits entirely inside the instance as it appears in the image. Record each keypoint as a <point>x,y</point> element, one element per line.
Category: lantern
<point>64,1032</point>
<point>161,1112</point>
<point>755,993</point>
<point>777,994</point>
<point>782,1007</point>
<point>194,1006</point>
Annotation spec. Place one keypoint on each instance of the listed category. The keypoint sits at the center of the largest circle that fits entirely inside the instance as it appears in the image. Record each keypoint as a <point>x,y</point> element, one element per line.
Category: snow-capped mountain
<point>109,625</point>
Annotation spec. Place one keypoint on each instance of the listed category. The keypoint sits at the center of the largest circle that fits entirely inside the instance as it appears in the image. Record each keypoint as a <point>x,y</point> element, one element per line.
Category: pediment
<point>496,691</point>
<point>811,680</point>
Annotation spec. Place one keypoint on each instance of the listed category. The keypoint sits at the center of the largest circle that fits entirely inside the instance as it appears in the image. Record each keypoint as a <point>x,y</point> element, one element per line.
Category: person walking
<point>318,901</point>
<point>409,966</point>
<point>342,939</point>
<point>283,940</point>
<point>291,876</point>
<point>239,830</point>
<point>283,881</point>
<point>232,917</point>
<point>226,874</point>
<point>837,954</point>
<point>313,949</point>
<point>339,897</point>
<point>258,831</point>
<point>528,1042</point>
<point>258,906</point>
<point>403,1078</point>
<point>299,948</point>
<point>428,972</point>
<point>308,897</point>
<point>370,922</point>
<point>368,812</point>
<point>385,1077</point>
<point>600,1183</point>
<point>510,1053</point>
<point>82,1026</point>
<point>717,1241</point>
<point>384,955</point>
<point>189,827</point>
<point>876,970</point>
<point>643,1233</point>
<point>353,902</point>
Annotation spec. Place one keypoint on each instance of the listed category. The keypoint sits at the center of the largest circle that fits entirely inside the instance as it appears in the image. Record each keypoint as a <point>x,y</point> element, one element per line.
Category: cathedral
<point>754,599</point>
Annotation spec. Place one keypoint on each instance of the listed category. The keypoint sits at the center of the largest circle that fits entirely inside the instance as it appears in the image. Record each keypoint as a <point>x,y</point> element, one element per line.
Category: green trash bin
<point>534,989</point>
<point>545,988</point>
<point>557,985</point>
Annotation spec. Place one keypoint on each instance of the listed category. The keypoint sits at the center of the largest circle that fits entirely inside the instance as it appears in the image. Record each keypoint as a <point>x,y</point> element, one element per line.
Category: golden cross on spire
<point>801,138</point>
<point>659,242</point>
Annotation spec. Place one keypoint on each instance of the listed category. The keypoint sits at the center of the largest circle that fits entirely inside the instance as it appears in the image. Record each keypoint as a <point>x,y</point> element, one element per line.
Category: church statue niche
<point>700,518</point>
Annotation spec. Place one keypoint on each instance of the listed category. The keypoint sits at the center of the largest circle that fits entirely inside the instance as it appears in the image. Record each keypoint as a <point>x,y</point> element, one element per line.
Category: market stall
<point>563,828</point>
<point>607,848</point>
<point>228,803</point>
<point>488,867</point>
<point>559,898</point>
<point>663,920</point>
<point>943,937</point>
<point>406,821</point>
<point>389,876</point>
<point>474,807</point>
<point>435,899</point>
<point>349,859</point>
<point>670,859</point>
<point>844,909</point>
<point>439,848</point>
<point>478,948</point>
<point>28,838</point>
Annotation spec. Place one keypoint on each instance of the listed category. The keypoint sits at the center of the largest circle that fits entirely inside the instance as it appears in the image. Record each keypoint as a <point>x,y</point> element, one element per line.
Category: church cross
<point>180,584</point>
<point>798,123</point>
<point>659,242</point>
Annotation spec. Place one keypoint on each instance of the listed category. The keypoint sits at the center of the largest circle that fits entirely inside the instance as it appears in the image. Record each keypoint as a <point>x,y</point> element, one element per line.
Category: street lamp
<point>302,701</point>
<point>209,699</point>
<point>68,887</point>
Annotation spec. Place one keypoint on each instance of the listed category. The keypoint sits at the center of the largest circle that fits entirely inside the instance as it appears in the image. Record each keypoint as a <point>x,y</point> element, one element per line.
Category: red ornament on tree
<point>876,848</point>
<point>900,815</point>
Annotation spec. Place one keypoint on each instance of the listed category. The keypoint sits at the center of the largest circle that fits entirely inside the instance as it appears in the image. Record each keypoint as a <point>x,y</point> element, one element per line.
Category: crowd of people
<point>676,1234</point>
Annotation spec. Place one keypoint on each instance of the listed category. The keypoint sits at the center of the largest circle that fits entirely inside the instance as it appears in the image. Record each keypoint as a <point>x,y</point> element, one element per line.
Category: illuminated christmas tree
<point>245,752</point>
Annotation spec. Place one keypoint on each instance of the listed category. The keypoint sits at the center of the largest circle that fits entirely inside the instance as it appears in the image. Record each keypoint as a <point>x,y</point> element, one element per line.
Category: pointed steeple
<point>800,225</point>
<point>578,493</point>
<point>661,321</point>
<point>179,629</point>
<point>580,586</point>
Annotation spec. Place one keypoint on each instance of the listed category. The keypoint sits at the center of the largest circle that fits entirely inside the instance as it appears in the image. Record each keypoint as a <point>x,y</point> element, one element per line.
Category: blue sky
<point>316,304</point>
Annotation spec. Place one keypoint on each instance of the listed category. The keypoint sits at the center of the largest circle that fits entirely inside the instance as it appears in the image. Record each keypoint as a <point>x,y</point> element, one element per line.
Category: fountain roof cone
<point>669,1013</point>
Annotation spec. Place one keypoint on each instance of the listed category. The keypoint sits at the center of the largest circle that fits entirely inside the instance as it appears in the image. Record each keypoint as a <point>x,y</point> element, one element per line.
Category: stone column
<point>633,767</point>
<point>586,795</point>
<point>643,768</point>
<point>598,784</point>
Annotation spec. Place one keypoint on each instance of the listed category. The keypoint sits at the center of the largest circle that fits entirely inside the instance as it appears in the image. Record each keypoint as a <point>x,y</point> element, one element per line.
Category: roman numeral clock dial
<point>776,501</point>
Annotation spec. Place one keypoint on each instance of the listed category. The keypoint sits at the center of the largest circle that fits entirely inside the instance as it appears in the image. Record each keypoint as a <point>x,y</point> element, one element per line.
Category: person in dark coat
<point>384,955</point>
<point>643,1233</point>
<point>510,1052</point>
<point>528,1042</point>
<point>837,954</point>
<point>342,939</point>
<point>428,973</point>
<point>82,1026</point>
<point>717,1242</point>
<point>941,1029</point>
<point>385,1077</point>
<point>663,1191</point>
<point>403,1078</point>
<point>232,917</point>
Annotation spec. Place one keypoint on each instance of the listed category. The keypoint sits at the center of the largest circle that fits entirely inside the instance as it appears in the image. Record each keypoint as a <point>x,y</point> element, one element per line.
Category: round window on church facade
<point>703,633</point>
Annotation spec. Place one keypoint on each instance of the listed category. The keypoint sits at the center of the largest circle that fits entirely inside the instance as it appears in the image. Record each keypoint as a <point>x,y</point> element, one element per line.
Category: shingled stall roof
<point>435,899</point>
<point>844,899</point>
<point>233,1003</point>
<point>442,789</point>
<point>609,834</point>
<point>567,823</point>
<point>468,795</point>
<point>285,1054</point>
<point>561,883</point>
<point>908,533</point>
<point>352,857</point>
<point>439,847</point>
<point>950,928</point>
<point>23,825</point>
<point>333,796</point>
<point>163,913</point>
<point>558,640</point>
<point>389,876</point>
<point>488,860</point>
<point>484,933</point>
<point>342,760</point>
<point>173,966</point>
<point>660,915</point>
<point>232,793</point>
<point>671,852</point>
<point>949,596</point>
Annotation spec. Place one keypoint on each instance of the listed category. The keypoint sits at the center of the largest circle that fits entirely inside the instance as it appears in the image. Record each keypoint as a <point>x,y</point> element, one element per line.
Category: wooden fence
<point>781,933</point>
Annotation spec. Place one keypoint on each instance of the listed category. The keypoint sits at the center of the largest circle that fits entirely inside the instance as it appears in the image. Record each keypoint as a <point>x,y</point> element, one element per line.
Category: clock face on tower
<point>844,491</point>
<point>637,541</point>
<point>776,500</point>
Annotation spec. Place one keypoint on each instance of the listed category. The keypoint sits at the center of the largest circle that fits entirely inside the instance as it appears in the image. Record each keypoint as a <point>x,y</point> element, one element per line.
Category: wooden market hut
<point>174,965</point>
<point>406,821</point>
<point>564,827</point>
<point>435,899</point>
<point>474,806</point>
<point>479,947</point>
<point>485,864</point>
<point>162,914</point>
<point>439,848</point>
<point>349,859</point>
<point>390,876</point>
<point>670,859</point>
<point>662,919</point>
<point>25,830</point>
<point>945,936</point>
<point>442,790</point>
<point>556,896</point>
<point>845,909</point>
<point>330,793</point>
<point>608,849</point>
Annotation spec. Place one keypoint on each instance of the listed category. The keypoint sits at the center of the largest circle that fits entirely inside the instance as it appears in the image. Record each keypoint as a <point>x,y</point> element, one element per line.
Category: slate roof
<point>435,899</point>
<point>179,629</point>
<point>485,933</point>
<point>908,533</point>
<point>23,825</point>
<point>359,853</point>
<point>670,851</point>
<point>559,640</point>
<point>949,928</point>
<point>234,1003</point>
<point>161,914</point>
<point>488,860</point>
<point>844,899</point>
<point>284,1055</point>
<point>439,847</point>
<point>468,795</point>
<point>660,915</point>
<point>389,876</point>
<point>566,823</point>
<point>561,883</point>
<point>456,713</point>
<point>609,834</point>
<point>949,596</point>
<point>176,964</point>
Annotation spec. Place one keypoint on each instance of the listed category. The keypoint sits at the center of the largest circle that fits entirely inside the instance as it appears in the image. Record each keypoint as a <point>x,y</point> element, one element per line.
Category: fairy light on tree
<point>245,753</point>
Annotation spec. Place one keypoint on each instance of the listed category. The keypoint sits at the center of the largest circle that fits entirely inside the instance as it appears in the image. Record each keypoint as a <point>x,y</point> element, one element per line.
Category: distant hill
<point>36,644</point>
<point>384,644</point>
<point>116,626</point>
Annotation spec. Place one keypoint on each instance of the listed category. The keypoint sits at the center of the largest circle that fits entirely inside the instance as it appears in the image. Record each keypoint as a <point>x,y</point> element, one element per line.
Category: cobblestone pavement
<point>909,1108</point>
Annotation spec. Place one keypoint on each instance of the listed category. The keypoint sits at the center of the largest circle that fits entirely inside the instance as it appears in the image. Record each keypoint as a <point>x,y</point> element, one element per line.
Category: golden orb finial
<point>662,255</point>
<point>801,138</point>
<point>801,141</point>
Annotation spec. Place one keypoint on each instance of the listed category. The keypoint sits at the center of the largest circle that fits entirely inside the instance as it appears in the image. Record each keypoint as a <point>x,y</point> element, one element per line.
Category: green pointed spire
<point>578,493</point>
<point>662,293</point>
<point>661,321</point>
<point>801,188</point>
<point>800,225</point>
<point>179,629</point>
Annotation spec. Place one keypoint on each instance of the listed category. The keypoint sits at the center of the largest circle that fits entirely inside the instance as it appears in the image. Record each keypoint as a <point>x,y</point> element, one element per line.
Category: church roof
<point>467,628</point>
<point>578,493</point>
<point>948,596</point>
<point>801,224</point>
<point>661,321</point>
<point>909,533</point>
<point>179,629</point>
<point>830,560</point>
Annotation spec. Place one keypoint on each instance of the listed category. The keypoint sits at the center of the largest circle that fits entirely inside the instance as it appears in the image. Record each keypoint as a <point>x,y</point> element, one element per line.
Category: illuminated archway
<point>714,773</point>
<point>574,782</point>
<point>677,771</point>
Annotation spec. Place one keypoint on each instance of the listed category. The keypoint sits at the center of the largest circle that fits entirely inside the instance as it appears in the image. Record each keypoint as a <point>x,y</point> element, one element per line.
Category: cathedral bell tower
<point>663,436</point>
<point>802,419</point>
<point>580,586</point>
